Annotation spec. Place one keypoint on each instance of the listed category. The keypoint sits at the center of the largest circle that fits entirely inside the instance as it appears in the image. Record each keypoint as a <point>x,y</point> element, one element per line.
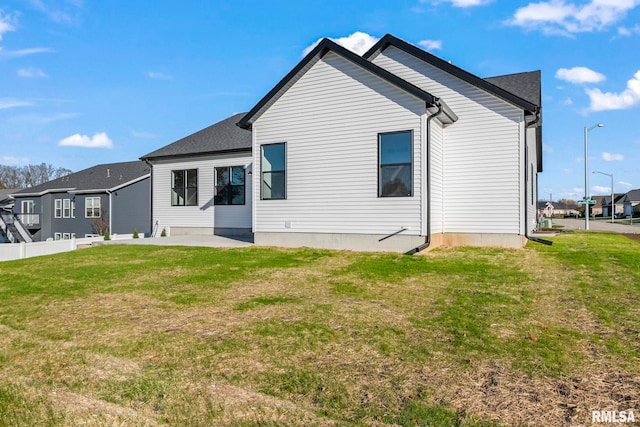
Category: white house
<point>394,150</point>
<point>200,183</point>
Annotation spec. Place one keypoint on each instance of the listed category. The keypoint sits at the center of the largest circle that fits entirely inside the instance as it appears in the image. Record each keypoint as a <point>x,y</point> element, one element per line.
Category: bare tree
<point>29,175</point>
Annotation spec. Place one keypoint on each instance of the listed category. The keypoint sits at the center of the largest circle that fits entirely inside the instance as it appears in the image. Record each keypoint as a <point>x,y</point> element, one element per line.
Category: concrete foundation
<point>510,241</point>
<point>208,231</point>
<point>354,242</point>
<point>382,243</point>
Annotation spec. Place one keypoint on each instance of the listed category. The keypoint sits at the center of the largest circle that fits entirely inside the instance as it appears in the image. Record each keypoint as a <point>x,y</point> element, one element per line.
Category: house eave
<point>389,40</point>
<point>322,49</point>
<point>196,154</point>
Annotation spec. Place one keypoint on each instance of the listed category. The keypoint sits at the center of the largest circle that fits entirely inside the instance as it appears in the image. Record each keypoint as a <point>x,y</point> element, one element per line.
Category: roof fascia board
<point>198,154</point>
<point>389,40</point>
<point>324,47</point>
<point>43,192</point>
<point>128,183</point>
<point>89,191</point>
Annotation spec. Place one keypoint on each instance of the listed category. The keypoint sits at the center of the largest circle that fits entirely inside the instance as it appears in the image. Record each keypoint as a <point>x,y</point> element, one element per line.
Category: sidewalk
<point>195,240</point>
<point>598,225</point>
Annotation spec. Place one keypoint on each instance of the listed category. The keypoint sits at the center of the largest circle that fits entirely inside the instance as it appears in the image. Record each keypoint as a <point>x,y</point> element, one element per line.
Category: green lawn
<point>144,335</point>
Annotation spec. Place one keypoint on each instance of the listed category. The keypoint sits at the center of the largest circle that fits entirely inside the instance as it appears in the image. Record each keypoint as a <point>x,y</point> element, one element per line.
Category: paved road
<point>598,225</point>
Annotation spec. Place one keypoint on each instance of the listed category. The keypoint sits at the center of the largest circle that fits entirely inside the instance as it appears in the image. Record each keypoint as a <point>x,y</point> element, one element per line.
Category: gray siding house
<point>112,196</point>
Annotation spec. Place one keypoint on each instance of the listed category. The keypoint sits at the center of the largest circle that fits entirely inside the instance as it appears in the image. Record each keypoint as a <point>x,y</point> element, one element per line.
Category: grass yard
<point>145,336</point>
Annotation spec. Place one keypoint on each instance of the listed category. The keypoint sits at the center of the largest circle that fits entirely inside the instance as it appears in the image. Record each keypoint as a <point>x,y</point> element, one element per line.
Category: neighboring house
<point>396,150</point>
<point>618,205</point>
<point>6,207</point>
<point>201,183</point>
<point>596,210</point>
<point>632,203</point>
<point>559,209</point>
<point>112,196</point>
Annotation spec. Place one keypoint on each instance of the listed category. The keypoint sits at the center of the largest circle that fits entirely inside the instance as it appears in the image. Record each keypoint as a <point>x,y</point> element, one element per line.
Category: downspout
<point>427,241</point>
<point>110,211</point>
<point>151,233</point>
<point>526,183</point>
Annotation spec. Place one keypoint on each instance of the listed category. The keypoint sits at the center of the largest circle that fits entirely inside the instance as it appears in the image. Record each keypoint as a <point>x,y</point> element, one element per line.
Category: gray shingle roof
<point>524,85</point>
<point>633,196</point>
<point>223,136</point>
<point>100,177</point>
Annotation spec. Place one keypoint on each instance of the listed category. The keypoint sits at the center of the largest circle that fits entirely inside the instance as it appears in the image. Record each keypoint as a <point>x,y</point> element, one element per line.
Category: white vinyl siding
<point>482,152</point>
<point>206,213</point>
<point>330,119</point>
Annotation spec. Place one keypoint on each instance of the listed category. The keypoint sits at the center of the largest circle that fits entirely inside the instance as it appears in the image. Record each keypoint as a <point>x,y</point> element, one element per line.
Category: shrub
<point>164,233</point>
<point>106,235</point>
<point>135,233</point>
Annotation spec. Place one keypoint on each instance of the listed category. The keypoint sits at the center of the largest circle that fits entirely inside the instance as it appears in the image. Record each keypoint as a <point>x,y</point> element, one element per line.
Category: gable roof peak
<point>317,53</point>
<point>485,84</point>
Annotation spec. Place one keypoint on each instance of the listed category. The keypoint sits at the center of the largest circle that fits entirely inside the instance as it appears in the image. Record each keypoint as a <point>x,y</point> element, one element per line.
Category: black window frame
<point>381,166</point>
<point>184,188</point>
<point>283,172</point>
<point>227,198</point>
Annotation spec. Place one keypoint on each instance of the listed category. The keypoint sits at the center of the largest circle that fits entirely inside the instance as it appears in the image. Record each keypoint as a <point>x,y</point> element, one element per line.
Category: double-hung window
<point>66,208</point>
<point>92,207</point>
<point>57,211</point>
<point>229,186</point>
<point>395,164</point>
<point>184,187</point>
<point>273,166</point>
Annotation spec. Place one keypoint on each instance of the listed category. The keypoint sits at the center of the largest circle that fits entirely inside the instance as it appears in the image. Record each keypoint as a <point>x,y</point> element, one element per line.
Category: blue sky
<point>86,82</point>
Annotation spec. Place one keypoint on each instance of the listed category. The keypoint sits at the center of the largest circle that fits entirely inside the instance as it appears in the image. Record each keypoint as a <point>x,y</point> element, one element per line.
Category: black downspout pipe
<point>427,242</point>
<point>151,233</point>
<point>526,185</point>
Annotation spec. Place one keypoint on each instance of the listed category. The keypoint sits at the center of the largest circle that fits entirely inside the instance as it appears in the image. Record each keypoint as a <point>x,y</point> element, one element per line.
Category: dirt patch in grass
<point>515,399</point>
<point>635,237</point>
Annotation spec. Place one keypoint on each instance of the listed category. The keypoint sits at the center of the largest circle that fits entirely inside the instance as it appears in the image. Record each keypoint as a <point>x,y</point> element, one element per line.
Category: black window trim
<point>230,198</point>
<point>185,186</point>
<point>411,165</point>
<point>284,144</point>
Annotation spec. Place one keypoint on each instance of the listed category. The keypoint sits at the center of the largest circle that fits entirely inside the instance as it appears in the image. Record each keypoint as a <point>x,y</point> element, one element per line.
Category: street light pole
<point>586,173</point>
<point>613,205</point>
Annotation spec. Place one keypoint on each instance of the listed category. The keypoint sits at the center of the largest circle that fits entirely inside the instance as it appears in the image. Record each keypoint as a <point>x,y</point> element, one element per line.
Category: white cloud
<point>13,161</point>
<point>625,184</point>
<point>567,170</point>
<point>6,23</point>
<point>601,189</point>
<point>568,18</point>
<point>459,3</point>
<point>609,157</point>
<point>145,135</point>
<point>357,42</point>
<point>547,148</point>
<point>568,101</point>
<point>627,32</point>
<point>31,72</point>
<point>616,101</point>
<point>159,76</point>
<point>6,103</point>
<point>431,44</point>
<point>580,75</point>
<point>99,140</point>
<point>10,54</point>
<point>46,119</point>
